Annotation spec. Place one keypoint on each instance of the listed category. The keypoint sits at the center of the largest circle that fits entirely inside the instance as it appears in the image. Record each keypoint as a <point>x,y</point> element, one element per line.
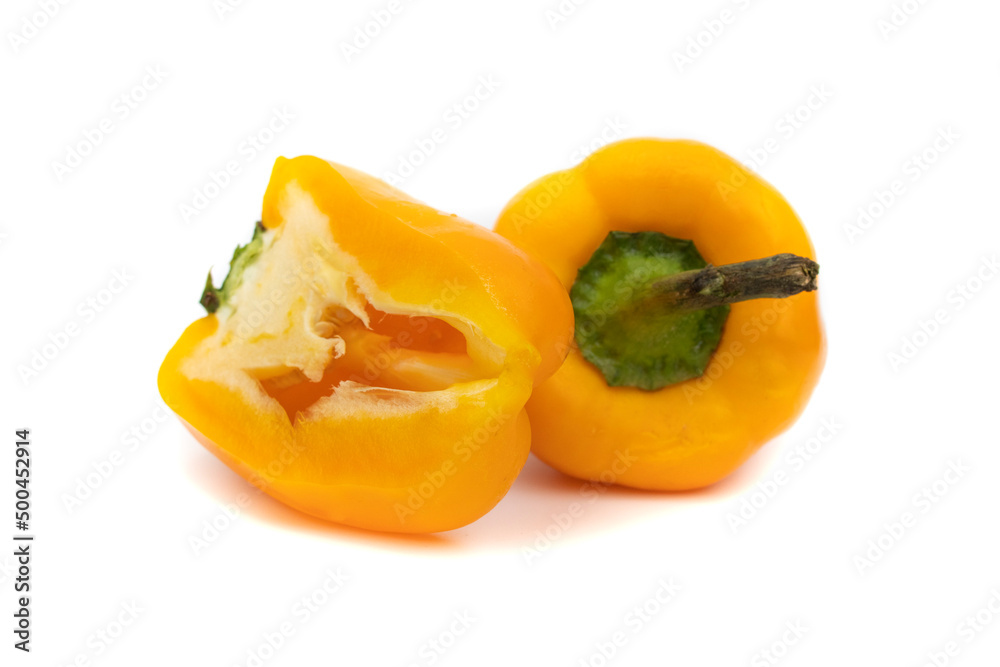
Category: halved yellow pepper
<point>369,357</point>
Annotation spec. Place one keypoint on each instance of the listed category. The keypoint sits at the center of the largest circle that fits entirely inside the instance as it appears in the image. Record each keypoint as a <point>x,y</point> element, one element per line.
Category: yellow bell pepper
<point>628,406</point>
<point>368,357</point>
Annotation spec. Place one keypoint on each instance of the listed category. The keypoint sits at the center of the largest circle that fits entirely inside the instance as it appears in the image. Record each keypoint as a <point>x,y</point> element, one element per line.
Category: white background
<point>611,69</point>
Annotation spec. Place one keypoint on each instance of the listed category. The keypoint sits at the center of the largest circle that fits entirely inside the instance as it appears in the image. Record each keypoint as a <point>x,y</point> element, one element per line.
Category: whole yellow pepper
<point>667,388</point>
<point>368,357</point>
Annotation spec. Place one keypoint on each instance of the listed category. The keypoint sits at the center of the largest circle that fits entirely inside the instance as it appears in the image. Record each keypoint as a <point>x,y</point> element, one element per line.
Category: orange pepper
<point>369,357</point>
<point>695,432</point>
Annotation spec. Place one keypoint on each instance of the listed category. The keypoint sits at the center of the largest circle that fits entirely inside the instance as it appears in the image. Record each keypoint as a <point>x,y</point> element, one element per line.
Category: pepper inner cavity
<point>408,353</point>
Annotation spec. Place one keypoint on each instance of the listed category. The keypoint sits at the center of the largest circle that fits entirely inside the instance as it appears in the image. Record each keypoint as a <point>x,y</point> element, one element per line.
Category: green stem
<point>776,277</point>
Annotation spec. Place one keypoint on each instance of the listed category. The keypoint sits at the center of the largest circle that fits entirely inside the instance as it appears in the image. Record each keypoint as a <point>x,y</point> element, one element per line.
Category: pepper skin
<point>694,433</point>
<point>372,363</point>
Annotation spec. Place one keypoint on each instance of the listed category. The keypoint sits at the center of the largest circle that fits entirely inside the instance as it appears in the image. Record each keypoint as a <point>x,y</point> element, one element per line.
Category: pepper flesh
<point>374,362</point>
<point>692,434</point>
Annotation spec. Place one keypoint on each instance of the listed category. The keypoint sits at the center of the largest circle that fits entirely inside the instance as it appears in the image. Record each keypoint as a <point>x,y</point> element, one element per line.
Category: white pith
<point>274,321</point>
